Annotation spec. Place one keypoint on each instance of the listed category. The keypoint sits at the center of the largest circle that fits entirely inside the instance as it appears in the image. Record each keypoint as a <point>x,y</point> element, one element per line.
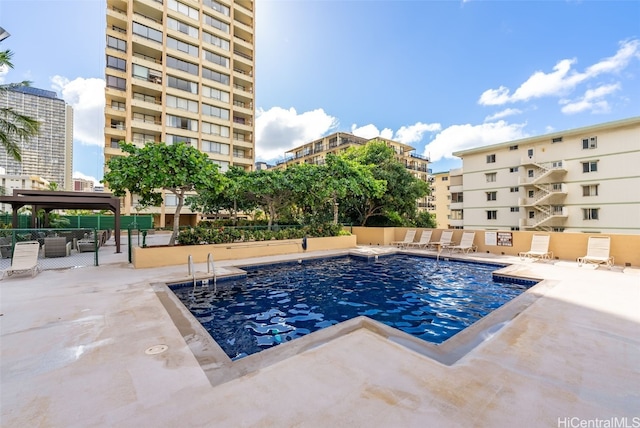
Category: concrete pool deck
<point>78,350</point>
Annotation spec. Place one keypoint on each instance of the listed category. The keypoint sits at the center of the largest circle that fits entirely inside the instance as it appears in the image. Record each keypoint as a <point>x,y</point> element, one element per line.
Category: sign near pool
<point>490,238</point>
<point>505,239</point>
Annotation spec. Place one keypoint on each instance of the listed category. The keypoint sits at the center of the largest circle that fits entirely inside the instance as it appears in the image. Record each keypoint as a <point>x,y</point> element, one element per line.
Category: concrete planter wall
<point>178,255</point>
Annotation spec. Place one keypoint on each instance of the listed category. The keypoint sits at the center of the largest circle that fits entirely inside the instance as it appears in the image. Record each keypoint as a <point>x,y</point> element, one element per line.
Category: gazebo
<point>48,200</point>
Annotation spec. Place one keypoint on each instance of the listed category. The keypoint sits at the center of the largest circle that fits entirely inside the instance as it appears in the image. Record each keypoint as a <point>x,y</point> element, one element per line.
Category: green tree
<point>14,126</point>
<point>402,189</point>
<point>158,167</point>
<point>231,198</point>
<point>270,190</point>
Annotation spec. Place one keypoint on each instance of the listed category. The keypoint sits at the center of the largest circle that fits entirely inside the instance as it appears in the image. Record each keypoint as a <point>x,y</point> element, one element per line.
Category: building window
<point>215,111</point>
<point>181,46</point>
<point>591,166</point>
<point>182,103</point>
<point>175,139</point>
<point>492,215</point>
<point>491,158</point>
<point>515,228</point>
<point>170,200</point>
<point>215,76</point>
<point>215,94</point>
<point>513,147</point>
<point>515,209</point>
<point>184,9</point>
<point>213,147</point>
<point>181,122</point>
<point>216,23</point>
<point>589,143</point>
<point>557,140</point>
<point>215,58</point>
<point>492,196</point>
<point>147,32</point>
<point>590,190</point>
<point>224,165</point>
<point>183,85</point>
<point>445,178</point>
<point>213,4</point>
<point>117,44</point>
<point>532,214</point>
<point>530,173</point>
<point>514,189</point>
<point>115,143</point>
<point>513,169</point>
<point>187,29</point>
<point>118,105</point>
<point>530,193</point>
<point>491,177</point>
<point>181,65</point>
<point>213,129</point>
<point>590,213</point>
<point>456,197</point>
<point>215,40</point>
<point>116,82</point>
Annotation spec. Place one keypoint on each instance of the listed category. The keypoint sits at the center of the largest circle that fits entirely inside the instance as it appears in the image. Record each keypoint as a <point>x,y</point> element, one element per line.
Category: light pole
<point>3,34</point>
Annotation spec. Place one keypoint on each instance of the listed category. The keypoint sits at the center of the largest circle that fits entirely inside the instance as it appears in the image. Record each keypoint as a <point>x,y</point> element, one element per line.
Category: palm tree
<point>13,125</point>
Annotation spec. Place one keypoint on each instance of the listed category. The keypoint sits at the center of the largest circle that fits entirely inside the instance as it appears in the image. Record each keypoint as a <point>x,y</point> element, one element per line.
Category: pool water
<point>429,299</point>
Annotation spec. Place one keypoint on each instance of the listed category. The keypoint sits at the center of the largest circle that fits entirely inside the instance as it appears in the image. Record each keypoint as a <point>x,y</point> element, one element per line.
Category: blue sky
<point>441,76</point>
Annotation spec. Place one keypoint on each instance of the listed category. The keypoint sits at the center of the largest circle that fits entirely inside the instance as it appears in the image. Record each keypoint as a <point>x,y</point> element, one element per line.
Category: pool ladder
<point>210,270</point>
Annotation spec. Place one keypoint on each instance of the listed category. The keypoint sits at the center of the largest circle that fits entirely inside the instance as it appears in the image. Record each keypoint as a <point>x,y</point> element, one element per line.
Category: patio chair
<point>25,259</point>
<point>408,238</point>
<point>598,249</point>
<point>539,248</point>
<point>57,247</point>
<point>466,244</point>
<point>445,240</point>
<point>424,240</point>
<point>86,245</point>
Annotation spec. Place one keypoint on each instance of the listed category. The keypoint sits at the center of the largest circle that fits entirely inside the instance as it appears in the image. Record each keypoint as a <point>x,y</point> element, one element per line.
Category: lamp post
<point>3,34</point>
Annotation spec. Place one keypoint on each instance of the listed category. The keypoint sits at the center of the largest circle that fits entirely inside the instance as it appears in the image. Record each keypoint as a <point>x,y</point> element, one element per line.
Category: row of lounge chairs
<point>445,242</point>
<point>598,247</point>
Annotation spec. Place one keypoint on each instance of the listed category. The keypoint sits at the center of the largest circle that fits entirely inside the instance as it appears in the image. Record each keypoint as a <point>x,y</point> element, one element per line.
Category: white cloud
<point>86,97</point>
<point>563,79</point>
<point>414,133</point>
<point>4,70</point>
<point>371,131</point>
<point>78,174</point>
<point>591,101</point>
<point>461,137</point>
<point>279,130</point>
<point>502,114</point>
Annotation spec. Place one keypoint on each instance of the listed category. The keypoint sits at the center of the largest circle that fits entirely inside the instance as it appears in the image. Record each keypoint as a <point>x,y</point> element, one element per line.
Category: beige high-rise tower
<point>181,71</point>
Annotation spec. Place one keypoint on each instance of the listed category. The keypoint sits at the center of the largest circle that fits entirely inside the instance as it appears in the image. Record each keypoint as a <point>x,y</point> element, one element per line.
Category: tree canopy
<point>14,126</point>
<point>402,188</point>
<point>157,167</point>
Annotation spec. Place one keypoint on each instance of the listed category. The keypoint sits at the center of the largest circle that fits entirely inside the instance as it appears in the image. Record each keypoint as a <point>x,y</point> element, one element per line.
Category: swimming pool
<point>429,299</point>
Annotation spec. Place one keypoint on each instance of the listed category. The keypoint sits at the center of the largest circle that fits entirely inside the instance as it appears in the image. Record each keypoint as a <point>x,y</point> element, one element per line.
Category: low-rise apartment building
<point>338,142</point>
<point>579,180</point>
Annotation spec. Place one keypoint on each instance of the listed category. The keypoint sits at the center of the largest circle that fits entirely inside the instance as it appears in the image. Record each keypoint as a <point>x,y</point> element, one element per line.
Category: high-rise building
<point>181,71</point>
<point>578,180</point>
<point>48,155</point>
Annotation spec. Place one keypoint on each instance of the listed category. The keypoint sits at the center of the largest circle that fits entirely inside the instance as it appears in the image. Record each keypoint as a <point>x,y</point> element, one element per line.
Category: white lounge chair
<point>445,240</point>
<point>598,249</point>
<point>424,240</point>
<point>408,238</point>
<point>25,259</point>
<point>539,248</point>
<point>466,244</point>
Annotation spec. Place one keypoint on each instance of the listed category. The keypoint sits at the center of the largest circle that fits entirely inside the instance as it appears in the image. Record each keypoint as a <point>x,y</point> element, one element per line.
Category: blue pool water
<point>278,303</point>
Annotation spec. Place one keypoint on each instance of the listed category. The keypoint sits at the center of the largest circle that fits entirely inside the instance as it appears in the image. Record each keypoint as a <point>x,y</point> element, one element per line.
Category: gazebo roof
<point>51,200</point>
